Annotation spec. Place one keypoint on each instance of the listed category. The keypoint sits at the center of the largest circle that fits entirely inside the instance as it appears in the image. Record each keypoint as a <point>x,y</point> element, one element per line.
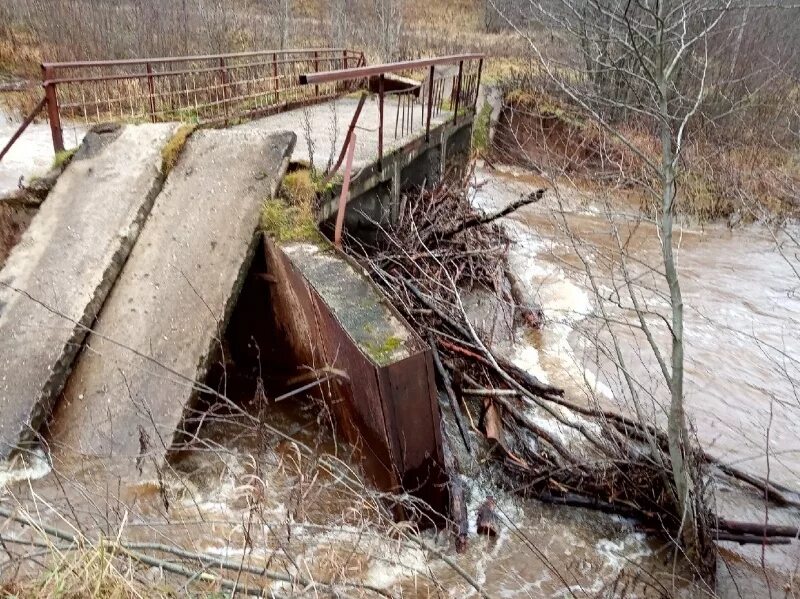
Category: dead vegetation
<point>545,133</point>
<point>541,444</point>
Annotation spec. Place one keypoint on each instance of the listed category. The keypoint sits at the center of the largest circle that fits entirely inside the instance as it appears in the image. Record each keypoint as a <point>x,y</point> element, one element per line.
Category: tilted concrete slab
<point>151,344</point>
<point>58,276</point>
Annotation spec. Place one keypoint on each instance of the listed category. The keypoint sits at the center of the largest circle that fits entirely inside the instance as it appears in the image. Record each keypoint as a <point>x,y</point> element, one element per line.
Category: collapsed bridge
<point>114,303</point>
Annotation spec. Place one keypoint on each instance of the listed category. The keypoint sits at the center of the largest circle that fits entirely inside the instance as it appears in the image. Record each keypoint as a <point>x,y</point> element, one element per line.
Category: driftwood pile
<point>543,445</point>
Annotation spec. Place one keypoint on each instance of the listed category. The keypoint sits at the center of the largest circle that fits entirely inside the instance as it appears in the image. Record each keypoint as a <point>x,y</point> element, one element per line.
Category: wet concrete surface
<point>57,277</point>
<point>147,354</point>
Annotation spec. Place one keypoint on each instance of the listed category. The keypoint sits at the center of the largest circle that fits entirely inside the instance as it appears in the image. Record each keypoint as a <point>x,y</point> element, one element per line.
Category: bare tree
<point>646,63</point>
<point>386,23</point>
<point>280,14</point>
<point>340,23</point>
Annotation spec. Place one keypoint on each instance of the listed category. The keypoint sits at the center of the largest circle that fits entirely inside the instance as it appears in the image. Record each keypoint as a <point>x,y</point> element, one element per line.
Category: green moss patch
<point>63,157</point>
<point>172,150</point>
<point>383,352</point>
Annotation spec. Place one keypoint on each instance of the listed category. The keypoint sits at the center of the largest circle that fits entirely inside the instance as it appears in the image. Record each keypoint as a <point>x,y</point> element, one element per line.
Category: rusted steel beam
<point>28,120</point>
<point>348,167</point>
<point>53,114</point>
<point>382,69</point>
<point>171,59</point>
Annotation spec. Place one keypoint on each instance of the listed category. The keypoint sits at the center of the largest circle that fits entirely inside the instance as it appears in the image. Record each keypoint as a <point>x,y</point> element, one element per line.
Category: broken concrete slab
<point>332,315</point>
<point>150,347</point>
<point>58,275</point>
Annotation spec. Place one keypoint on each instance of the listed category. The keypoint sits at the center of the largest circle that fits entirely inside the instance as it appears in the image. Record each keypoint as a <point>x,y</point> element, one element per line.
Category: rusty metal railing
<point>198,89</point>
<point>422,89</point>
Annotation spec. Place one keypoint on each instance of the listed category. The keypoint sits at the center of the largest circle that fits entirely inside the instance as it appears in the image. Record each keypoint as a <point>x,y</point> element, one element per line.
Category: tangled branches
<point>440,253</point>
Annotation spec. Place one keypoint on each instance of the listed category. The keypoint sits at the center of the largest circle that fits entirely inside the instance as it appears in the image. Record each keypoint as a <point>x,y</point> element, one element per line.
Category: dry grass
<point>716,180</point>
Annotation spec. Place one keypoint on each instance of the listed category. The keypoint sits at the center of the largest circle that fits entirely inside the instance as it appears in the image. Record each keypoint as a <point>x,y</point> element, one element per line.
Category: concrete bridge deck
<point>321,129</point>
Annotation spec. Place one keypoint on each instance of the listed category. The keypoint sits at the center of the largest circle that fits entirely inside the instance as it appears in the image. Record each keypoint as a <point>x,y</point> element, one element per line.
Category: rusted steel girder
<point>389,412</point>
<point>382,69</point>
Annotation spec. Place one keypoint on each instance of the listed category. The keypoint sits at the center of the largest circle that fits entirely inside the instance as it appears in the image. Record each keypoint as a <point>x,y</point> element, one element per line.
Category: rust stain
<point>390,413</point>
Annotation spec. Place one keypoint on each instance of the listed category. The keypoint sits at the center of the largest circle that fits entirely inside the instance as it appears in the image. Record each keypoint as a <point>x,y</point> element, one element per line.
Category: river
<point>32,153</point>
<point>271,501</point>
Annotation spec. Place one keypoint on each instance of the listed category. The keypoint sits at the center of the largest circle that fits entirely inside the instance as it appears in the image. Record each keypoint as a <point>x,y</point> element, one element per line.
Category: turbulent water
<point>743,331</point>
<point>32,153</point>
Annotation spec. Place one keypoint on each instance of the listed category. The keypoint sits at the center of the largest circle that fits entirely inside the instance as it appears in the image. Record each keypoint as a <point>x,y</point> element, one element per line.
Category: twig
<point>462,426</point>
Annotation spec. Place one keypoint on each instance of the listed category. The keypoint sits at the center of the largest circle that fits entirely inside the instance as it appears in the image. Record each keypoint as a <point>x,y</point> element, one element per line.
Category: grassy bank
<point>719,178</point>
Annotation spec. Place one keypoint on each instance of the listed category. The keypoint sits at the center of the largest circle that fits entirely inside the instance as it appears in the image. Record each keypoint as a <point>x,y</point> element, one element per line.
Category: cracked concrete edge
<point>205,360</point>
<point>29,431</point>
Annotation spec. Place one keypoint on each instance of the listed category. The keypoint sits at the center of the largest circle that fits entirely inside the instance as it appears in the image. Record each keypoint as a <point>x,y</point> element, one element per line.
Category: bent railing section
<point>422,89</point>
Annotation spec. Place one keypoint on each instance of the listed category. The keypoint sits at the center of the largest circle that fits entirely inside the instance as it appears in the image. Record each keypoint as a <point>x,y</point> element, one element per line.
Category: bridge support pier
<point>375,193</point>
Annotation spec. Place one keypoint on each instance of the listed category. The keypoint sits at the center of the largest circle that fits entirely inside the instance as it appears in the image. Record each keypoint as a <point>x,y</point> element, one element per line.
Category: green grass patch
<point>62,158</point>
<point>286,222</point>
<point>480,130</point>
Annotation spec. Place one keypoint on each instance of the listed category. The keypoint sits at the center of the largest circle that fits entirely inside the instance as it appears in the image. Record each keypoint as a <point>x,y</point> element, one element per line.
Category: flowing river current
<point>743,336</point>
<point>32,154</point>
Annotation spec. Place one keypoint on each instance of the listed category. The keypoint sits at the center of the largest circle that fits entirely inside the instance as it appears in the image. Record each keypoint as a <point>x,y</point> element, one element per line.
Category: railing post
<point>28,120</point>
<point>458,91</point>
<point>53,114</point>
<point>316,70</point>
<point>478,85</point>
<point>224,74</point>
<point>430,105</point>
<point>152,91</point>
<point>348,169</point>
<point>342,85</point>
<point>380,124</point>
<point>275,76</point>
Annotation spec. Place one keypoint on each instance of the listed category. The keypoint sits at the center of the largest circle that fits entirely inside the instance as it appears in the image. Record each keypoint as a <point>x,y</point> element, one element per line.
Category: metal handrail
<point>170,59</point>
<point>221,87</point>
<point>434,92</point>
<point>382,69</point>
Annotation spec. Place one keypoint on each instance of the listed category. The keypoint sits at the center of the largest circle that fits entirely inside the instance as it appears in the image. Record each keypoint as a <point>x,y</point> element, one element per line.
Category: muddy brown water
<point>251,494</point>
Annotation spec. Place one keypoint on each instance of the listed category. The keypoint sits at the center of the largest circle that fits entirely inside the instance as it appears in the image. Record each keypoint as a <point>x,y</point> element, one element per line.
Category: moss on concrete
<point>172,149</point>
<point>383,353</point>
<point>62,158</point>
<point>480,130</point>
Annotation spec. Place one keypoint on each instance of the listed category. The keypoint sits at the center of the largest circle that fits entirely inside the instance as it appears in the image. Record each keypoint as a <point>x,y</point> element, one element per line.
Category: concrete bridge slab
<point>58,276</point>
<point>321,129</point>
<point>149,350</point>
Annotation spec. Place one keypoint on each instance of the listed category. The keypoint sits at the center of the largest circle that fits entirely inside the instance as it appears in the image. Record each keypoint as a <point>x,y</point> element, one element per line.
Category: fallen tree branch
<point>462,426</point>
<point>476,220</point>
